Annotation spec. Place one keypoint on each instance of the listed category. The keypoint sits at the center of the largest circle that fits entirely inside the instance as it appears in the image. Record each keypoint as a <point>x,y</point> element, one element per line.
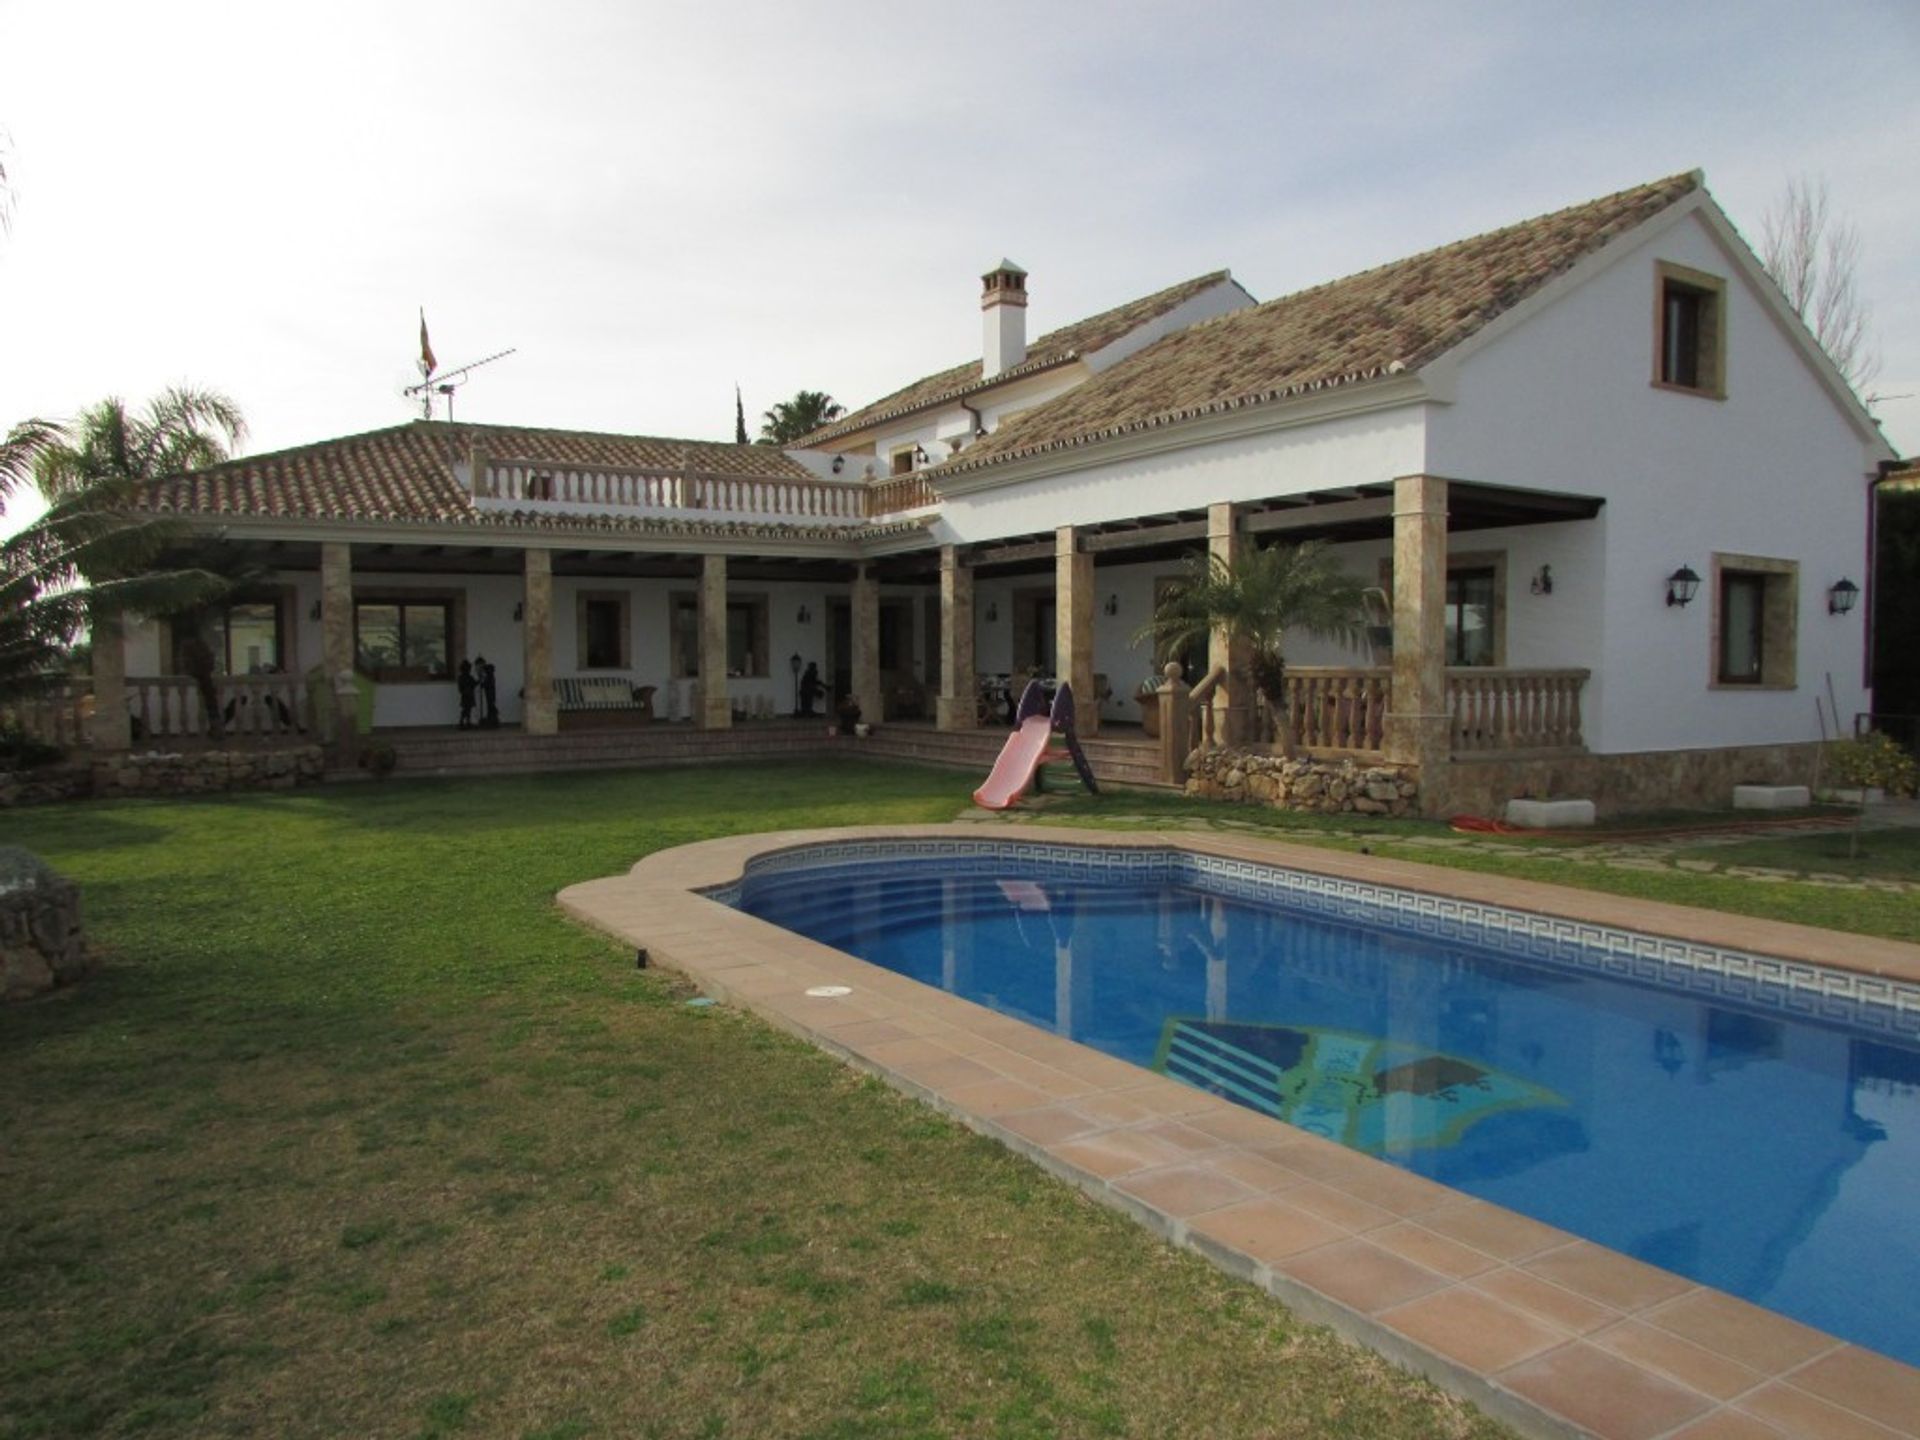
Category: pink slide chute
<point>1019,758</point>
<point>1030,746</point>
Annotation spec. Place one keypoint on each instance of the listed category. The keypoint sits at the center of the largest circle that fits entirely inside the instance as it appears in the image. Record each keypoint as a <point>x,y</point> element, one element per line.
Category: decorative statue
<point>489,694</point>
<point>468,687</point>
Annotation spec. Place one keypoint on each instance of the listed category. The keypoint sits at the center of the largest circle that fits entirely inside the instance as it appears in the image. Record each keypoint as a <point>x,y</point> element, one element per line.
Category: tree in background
<point>1257,598</point>
<point>806,412</point>
<point>94,551</point>
<point>739,418</point>
<point>1815,260</point>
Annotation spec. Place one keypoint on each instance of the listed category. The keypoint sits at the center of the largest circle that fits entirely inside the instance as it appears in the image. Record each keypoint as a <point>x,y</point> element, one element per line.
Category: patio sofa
<point>586,702</point>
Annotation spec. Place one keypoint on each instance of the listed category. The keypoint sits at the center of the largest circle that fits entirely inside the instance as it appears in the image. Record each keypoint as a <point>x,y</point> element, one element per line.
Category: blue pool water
<point>1700,1124</point>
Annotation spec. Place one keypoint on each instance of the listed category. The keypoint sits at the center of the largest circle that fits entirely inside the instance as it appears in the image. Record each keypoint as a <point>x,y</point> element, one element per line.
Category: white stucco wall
<point>1220,299</point>
<point>1564,401</point>
<point>1352,450</point>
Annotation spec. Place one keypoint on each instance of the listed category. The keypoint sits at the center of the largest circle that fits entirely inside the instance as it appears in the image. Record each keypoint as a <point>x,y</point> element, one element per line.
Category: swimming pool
<point>1751,1123</point>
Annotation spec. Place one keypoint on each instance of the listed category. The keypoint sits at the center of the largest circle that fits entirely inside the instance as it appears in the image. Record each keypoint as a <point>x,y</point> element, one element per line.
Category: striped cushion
<point>596,692</point>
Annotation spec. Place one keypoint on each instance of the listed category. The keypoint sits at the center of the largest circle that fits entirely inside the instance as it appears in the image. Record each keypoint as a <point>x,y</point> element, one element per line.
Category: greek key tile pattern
<point>1749,981</point>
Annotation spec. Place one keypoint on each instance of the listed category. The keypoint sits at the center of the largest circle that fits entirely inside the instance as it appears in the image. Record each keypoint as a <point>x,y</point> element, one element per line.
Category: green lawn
<point>1890,855</point>
<point>354,1135</point>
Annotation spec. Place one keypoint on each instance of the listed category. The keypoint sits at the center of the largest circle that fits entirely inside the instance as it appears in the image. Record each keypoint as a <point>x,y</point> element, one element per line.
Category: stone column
<point>716,707</point>
<point>538,713</point>
<point>1073,625</point>
<point>956,709</point>
<point>1417,725</point>
<point>1232,710</point>
<point>112,729</point>
<point>1175,742</point>
<point>336,648</point>
<point>865,666</point>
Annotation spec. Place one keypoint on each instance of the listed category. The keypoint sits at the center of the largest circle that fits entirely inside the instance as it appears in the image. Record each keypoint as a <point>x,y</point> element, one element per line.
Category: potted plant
<point>1256,598</point>
<point>1147,696</point>
<point>849,712</point>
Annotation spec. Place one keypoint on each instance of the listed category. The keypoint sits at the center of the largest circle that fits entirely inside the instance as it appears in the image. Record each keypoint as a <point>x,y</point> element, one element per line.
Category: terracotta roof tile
<point>405,474</point>
<point>1055,348</point>
<point>1395,317</point>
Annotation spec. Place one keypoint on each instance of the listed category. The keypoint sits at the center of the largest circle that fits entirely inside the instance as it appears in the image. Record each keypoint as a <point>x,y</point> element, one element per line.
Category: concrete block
<point>1771,797</point>
<point>1549,814</point>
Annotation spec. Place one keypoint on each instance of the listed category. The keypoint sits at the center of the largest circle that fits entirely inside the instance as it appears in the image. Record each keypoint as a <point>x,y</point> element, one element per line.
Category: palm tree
<point>94,551</point>
<point>1257,598</point>
<point>806,412</point>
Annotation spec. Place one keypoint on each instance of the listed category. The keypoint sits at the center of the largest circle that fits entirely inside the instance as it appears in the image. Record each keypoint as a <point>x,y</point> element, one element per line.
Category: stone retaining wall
<point>44,784</point>
<point>1628,784</point>
<point>41,943</point>
<point>1320,787</point>
<point>202,772</point>
<point>156,772</point>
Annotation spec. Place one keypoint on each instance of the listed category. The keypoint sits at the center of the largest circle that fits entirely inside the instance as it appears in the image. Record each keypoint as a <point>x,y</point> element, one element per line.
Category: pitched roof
<point>405,473</point>
<point>1057,347</point>
<point>1395,317</point>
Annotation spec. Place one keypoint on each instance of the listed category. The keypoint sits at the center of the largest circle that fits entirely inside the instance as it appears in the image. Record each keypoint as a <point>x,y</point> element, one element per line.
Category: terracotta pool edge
<point>951,1047</point>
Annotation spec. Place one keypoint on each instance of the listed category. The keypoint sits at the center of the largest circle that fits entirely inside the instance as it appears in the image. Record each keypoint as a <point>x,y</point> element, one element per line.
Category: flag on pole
<point>739,417</point>
<point>427,362</point>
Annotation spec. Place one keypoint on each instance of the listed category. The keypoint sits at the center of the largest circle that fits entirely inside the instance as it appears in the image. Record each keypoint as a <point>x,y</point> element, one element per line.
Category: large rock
<point>41,942</point>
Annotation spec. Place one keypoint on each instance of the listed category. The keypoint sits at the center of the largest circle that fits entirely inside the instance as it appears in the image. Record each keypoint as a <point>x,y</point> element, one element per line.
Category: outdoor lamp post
<point>794,665</point>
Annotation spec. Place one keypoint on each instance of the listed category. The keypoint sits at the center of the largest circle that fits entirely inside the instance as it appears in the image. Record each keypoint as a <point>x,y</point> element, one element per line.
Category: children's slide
<point>1030,746</point>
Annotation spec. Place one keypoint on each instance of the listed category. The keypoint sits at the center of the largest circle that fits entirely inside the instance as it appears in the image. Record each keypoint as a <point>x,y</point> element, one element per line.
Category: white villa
<point>1616,493</point>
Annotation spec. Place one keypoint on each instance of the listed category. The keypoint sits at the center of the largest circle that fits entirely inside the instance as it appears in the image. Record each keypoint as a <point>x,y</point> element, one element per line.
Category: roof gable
<point>1054,348</point>
<point>1384,321</point>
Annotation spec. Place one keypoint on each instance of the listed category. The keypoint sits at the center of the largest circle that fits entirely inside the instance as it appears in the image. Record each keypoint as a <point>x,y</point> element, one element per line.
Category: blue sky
<point>654,201</point>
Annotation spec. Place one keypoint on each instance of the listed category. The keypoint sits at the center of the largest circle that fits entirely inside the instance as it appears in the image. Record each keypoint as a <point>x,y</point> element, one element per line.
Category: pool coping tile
<point>1573,1337</point>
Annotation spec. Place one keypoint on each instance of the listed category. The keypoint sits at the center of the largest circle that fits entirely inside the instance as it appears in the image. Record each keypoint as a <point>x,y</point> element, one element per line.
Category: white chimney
<point>1003,305</point>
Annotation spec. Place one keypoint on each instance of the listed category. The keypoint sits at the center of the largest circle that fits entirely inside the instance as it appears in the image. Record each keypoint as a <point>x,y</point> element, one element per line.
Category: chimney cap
<point>1005,267</point>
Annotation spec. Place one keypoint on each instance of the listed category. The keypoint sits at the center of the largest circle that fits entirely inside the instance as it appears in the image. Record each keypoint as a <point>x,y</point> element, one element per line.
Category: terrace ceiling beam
<point>1315,517</point>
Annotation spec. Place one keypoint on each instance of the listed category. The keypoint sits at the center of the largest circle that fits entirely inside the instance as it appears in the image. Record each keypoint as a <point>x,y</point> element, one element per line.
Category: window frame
<point>686,666</point>
<point>1460,562</point>
<point>1708,346</point>
<point>1779,621</point>
<point>583,602</point>
<point>213,625</point>
<point>451,602</point>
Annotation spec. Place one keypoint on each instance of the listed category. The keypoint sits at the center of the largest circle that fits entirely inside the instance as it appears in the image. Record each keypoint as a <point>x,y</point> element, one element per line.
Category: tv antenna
<point>444,382</point>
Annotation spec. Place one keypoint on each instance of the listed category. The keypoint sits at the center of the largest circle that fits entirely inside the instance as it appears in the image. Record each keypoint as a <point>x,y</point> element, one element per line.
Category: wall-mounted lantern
<point>1681,585</point>
<point>804,617</point>
<point>519,611</point>
<point>1112,607</point>
<point>839,463</point>
<point>1843,597</point>
<point>1543,582</point>
<point>993,612</point>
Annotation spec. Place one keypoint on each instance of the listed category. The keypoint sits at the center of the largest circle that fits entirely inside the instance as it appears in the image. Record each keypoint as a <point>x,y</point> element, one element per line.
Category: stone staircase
<point>1129,761</point>
<point>446,751</point>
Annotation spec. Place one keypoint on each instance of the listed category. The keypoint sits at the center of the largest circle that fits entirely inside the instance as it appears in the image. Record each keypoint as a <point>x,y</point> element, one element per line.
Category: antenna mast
<point>434,381</point>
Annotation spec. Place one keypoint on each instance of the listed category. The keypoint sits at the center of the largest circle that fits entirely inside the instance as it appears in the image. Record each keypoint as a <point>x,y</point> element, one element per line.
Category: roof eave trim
<point>1360,397</point>
<point>844,542</point>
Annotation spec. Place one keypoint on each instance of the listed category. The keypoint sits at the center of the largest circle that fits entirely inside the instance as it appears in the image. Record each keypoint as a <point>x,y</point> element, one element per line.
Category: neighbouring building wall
<point>1564,401</point>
